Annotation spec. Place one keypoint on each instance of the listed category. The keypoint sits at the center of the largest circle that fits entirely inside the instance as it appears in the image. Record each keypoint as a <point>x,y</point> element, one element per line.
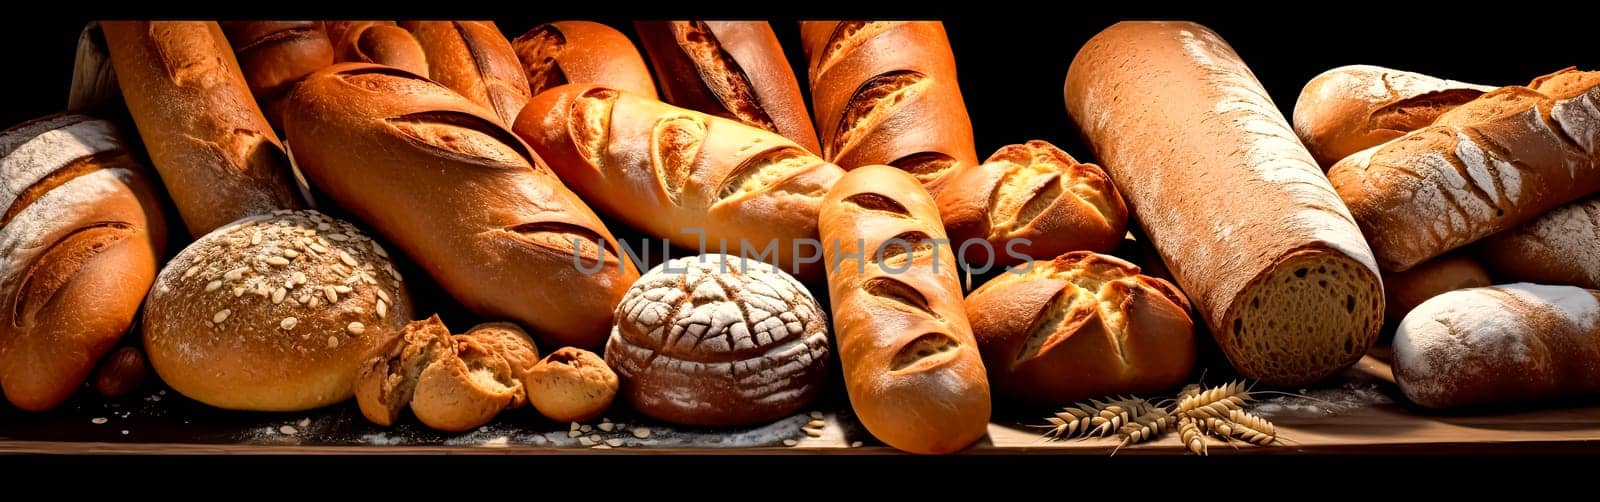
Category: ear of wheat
<point>1189,432</point>
<point>1216,401</point>
<point>1197,412</point>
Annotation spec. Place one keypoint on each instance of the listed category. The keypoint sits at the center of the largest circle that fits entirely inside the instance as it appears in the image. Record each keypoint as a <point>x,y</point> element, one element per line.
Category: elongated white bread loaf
<point>1484,167</point>
<point>1352,108</point>
<point>1516,342</point>
<point>1230,199</point>
<point>1561,247</point>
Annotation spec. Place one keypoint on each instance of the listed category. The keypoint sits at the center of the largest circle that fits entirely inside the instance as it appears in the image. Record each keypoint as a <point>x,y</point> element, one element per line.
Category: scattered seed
<point>790,442</point>
<point>392,272</point>
<point>614,441</point>
<point>356,328</point>
<point>573,434</point>
<point>303,423</point>
<point>333,342</point>
<point>98,420</point>
<point>338,237</point>
<point>601,447</point>
<point>347,259</point>
<point>288,430</point>
<point>587,441</point>
<point>816,424</point>
<point>641,432</point>
<point>813,433</point>
<point>277,261</point>
<point>586,428</point>
<point>855,444</point>
<point>379,250</point>
<point>222,315</point>
<point>288,323</point>
<point>575,426</point>
<point>816,415</point>
<point>277,295</point>
<point>607,426</point>
<point>213,286</point>
<point>124,432</point>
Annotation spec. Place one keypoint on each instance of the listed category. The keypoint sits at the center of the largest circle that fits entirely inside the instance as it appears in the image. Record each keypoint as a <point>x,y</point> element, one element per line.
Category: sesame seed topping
<point>813,432</point>
<point>337,237</point>
<point>238,292</point>
<point>392,272</point>
<point>288,323</point>
<point>315,301</point>
<point>300,278</point>
<point>333,296</point>
<point>277,261</point>
<point>323,226</point>
<point>333,342</point>
<point>641,432</point>
<point>278,294</point>
<point>354,278</point>
<point>255,238</point>
<point>356,328</point>
<point>213,286</point>
<point>607,426</point>
<point>318,248</point>
<point>379,250</point>
<point>263,290</point>
<point>347,259</point>
<point>195,269</point>
<point>235,274</point>
<point>383,295</point>
<point>222,315</point>
<point>288,283</point>
<point>291,254</point>
<point>98,420</point>
<point>614,442</point>
<point>790,442</point>
<point>342,289</point>
<point>341,269</point>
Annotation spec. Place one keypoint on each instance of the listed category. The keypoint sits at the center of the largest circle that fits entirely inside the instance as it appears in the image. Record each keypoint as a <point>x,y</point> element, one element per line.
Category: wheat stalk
<point>1216,401</point>
<point>1191,436</point>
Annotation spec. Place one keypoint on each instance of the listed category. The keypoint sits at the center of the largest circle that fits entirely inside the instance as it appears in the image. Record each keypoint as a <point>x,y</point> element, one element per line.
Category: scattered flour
<point>1333,401</point>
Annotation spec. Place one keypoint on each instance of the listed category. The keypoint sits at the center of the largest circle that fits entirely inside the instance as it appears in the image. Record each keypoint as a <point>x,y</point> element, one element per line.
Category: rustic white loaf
<point>1561,247</point>
<point>1499,344</point>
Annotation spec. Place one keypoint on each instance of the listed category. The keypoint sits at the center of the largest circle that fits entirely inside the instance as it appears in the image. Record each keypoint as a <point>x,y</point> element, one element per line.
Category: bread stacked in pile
<point>499,169</point>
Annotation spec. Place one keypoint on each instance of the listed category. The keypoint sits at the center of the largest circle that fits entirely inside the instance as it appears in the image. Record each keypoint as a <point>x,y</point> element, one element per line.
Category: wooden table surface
<point>1360,412</point>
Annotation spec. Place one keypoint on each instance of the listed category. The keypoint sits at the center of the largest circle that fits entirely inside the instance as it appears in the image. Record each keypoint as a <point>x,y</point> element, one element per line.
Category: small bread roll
<point>571,385</point>
<point>1405,290</point>
<point>273,312</point>
<point>388,380</point>
<point>1081,327</point>
<point>456,394</point>
<point>508,341</point>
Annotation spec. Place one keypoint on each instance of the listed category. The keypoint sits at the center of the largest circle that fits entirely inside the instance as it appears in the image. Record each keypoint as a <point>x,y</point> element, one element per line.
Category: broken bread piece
<point>510,342</point>
<point>571,385</point>
<point>456,394</point>
<point>389,378</point>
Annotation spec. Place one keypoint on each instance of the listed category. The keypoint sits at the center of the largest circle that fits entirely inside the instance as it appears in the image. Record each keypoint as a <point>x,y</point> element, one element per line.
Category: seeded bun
<point>273,312</point>
<point>571,385</point>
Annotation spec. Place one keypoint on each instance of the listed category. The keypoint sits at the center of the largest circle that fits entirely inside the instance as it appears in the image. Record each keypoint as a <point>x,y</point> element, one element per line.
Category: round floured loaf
<point>1516,342</point>
<point>715,340</point>
<point>273,312</point>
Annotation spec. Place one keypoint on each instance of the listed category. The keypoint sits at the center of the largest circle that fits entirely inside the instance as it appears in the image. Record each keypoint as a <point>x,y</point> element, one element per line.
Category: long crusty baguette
<point>911,365</point>
<point>1352,108</point>
<point>1517,342</point>
<point>80,233</point>
<point>582,52</point>
<point>885,92</point>
<point>380,42</point>
<point>1561,247</point>
<point>476,60</point>
<point>1229,197</point>
<point>694,179</point>
<point>216,153</point>
<point>731,69</point>
<point>460,194</point>
<point>276,54</point>
<point>1481,168</point>
<point>94,85</point>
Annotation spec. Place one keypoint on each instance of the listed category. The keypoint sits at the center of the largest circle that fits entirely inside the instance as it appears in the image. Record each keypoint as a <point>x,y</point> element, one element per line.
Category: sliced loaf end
<point>1314,313</point>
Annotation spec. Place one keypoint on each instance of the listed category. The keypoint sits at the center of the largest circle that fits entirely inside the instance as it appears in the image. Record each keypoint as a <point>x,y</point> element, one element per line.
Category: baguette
<point>216,153</point>
<point>911,365</point>
<point>380,42</point>
<point>472,205</point>
<point>885,92</point>
<point>582,52</point>
<point>276,54</point>
<point>1561,247</point>
<point>80,233</point>
<point>681,175</point>
<point>1229,198</point>
<point>731,69</point>
<point>1481,168</point>
<point>94,85</point>
<point>474,59</point>
<point>1501,344</point>
<point>1032,191</point>
<point>1352,108</point>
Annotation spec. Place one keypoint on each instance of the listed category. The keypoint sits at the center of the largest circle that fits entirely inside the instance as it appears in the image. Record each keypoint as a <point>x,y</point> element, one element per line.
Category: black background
<point>1011,59</point>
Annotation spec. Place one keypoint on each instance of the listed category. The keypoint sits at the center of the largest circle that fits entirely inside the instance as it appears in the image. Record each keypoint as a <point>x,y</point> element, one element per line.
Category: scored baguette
<point>692,178</point>
<point>462,196</point>
<point>1230,199</point>
<point>216,153</point>
<point>1484,167</point>
<point>1352,108</point>
<point>276,54</point>
<point>1560,247</point>
<point>885,92</point>
<point>911,365</point>
<point>731,69</point>
<point>474,59</point>
<point>582,52</point>
<point>380,42</point>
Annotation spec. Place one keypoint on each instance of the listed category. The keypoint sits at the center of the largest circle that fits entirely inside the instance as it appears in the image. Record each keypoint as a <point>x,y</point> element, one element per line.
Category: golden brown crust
<point>1250,226</point>
<point>508,341</point>
<point>457,394</point>
<point>461,195</point>
<point>273,313</point>
<point>388,379</point>
<point>121,372</point>
<point>378,42</point>
<point>79,238</point>
<point>474,59</point>
<point>911,366</point>
<point>571,385</point>
<point>1081,327</point>
<point>885,92</point>
<point>1556,248</point>
<point>1037,192</point>
<point>1352,108</point>
<point>679,174</point>
<point>1405,290</point>
<point>276,54</point>
<point>1484,167</point>
<point>216,153</point>
<point>582,52</point>
<point>731,69</point>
